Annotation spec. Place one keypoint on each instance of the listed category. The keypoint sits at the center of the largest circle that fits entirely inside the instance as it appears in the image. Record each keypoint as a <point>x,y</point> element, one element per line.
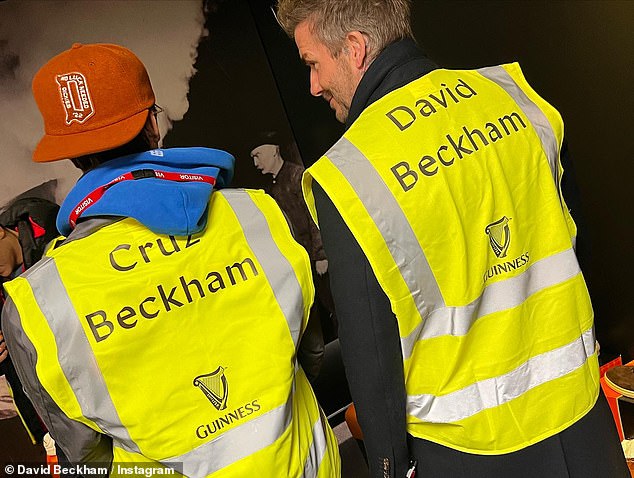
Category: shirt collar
<point>398,64</point>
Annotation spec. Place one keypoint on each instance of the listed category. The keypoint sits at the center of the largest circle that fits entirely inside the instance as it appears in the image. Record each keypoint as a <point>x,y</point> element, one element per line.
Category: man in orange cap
<point>160,264</point>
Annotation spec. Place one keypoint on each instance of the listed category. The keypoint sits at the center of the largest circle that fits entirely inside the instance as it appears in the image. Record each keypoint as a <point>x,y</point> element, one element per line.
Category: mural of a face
<point>266,158</point>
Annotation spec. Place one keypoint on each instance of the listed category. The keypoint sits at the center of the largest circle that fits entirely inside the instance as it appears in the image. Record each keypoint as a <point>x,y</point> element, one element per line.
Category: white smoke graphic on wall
<point>164,35</point>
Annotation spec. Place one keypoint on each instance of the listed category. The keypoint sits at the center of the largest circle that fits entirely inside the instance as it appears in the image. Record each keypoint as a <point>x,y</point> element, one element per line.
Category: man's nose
<point>315,86</point>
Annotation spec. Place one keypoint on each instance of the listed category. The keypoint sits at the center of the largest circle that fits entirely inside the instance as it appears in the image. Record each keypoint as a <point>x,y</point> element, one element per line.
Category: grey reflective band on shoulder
<point>496,297</point>
<point>502,389</point>
<point>74,353</point>
<point>538,119</point>
<point>389,217</point>
<point>278,270</point>
<point>89,226</point>
<point>234,444</point>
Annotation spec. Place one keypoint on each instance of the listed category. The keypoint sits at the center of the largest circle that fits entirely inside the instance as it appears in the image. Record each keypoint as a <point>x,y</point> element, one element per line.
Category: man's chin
<point>341,115</point>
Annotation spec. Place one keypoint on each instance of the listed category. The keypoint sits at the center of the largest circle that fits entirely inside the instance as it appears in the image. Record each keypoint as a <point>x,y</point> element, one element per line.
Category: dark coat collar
<point>398,64</point>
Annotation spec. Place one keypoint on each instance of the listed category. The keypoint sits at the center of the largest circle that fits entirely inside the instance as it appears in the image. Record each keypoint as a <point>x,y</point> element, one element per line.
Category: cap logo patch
<point>73,90</point>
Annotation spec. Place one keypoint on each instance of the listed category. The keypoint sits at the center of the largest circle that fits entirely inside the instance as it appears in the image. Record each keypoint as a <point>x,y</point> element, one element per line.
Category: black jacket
<point>371,347</point>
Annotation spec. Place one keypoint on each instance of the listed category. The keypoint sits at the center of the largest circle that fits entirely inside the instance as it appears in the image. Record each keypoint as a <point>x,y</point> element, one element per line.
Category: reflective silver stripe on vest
<point>538,119</point>
<point>499,390</point>
<point>535,115</point>
<point>389,217</point>
<point>278,270</point>
<point>317,450</point>
<point>234,444</point>
<point>496,297</point>
<point>75,355</point>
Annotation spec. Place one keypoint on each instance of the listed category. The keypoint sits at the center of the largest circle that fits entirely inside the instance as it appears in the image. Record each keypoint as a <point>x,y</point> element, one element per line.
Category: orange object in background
<point>353,424</point>
<point>51,461</point>
<point>607,366</point>
<point>613,396</point>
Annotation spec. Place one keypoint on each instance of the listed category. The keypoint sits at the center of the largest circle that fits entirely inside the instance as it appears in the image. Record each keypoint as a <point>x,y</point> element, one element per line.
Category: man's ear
<point>356,44</point>
<point>2,233</point>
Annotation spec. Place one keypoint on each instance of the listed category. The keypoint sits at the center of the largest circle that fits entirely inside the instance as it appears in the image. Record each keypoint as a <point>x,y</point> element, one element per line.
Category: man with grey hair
<point>465,322</point>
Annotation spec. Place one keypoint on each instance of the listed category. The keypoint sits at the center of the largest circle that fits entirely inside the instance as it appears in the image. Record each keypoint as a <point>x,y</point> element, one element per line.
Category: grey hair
<point>381,21</point>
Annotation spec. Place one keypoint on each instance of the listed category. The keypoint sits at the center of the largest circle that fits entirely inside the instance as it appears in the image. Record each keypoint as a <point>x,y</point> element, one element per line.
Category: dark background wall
<point>233,98</point>
<point>576,54</point>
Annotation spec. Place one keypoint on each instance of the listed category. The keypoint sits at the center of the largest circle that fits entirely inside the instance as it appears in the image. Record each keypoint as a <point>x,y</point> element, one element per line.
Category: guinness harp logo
<point>214,386</point>
<point>499,236</point>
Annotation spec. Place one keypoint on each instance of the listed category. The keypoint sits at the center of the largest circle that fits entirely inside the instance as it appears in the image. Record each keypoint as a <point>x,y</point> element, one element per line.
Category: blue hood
<point>163,206</point>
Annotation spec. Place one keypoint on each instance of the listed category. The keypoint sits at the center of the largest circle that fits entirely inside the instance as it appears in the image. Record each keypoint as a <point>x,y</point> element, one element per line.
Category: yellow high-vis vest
<point>451,186</point>
<point>183,349</point>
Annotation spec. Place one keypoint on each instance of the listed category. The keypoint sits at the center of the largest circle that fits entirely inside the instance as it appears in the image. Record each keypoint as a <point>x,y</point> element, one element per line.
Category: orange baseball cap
<point>92,98</point>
